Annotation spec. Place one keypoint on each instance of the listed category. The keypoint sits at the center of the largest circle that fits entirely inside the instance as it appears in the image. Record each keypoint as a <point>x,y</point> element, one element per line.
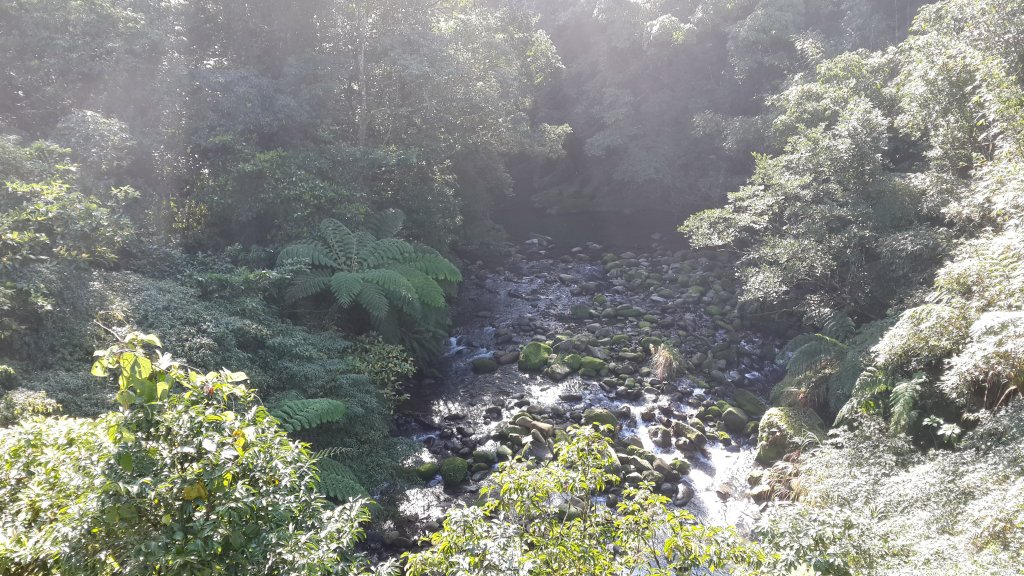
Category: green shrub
<point>192,473</point>
<point>18,404</point>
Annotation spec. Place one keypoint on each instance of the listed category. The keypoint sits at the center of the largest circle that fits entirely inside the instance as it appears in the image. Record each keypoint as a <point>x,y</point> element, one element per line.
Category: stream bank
<point>597,317</point>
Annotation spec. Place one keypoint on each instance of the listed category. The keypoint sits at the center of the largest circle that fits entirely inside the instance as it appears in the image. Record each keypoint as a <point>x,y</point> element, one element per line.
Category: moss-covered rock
<point>484,365</point>
<point>735,419</point>
<point>783,429</point>
<point>427,471</point>
<point>749,403</point>
<point>595,365</point>
<point>573,361</point>
<point>694,437</point>
<point>454,471</point>
<point>485,456</point>
<point>601,417</point>
<point>580,311</point>
<point>534,357</point>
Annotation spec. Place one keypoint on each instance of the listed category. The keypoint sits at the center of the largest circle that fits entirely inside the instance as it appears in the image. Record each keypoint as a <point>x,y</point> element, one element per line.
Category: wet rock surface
<point>650,345</point>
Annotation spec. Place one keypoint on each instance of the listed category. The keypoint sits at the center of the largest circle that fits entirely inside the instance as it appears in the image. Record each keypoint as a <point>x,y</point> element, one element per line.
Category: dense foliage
<point>894,202</point>
<point>287,188</point>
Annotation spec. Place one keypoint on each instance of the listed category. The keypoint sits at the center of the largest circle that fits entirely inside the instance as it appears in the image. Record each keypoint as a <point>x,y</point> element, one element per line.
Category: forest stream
<point>600,305</point>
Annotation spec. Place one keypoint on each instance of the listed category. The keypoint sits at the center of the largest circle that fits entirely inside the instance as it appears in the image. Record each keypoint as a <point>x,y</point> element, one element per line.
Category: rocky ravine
<point>553,341</point>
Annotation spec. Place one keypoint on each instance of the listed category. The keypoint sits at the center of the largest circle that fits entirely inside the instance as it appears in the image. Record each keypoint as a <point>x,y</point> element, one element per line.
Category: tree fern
<point>310,253</point>
<point>400,286</point>
<point>298,415</point>
<point>435,266</point>
<point>427,290</point>
<point>872,383</point>
<point>339,240</point>
<point>386,251</point>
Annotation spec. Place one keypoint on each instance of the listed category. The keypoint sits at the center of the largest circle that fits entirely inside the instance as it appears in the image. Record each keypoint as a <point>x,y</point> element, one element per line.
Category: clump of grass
<point>665,362</point>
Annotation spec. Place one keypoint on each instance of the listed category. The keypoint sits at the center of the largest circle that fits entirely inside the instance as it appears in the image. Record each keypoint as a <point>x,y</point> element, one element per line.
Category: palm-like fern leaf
<point>340,242</point>
<point>434,265</point>
<point>401,286</point>
<point>383,253</point>
<point>386,223</point>
<point>371,297</point>
<point>903,404</point>
<point>363,241</point>
<point>306,413</point>
<point>428,290</point>
<point>306,284</point>
<point>402,293</point>
<point>310,253</point>
<point>338,481</point>
<point>839,327</point>
<point>345,286</point>
<point>812,353</point>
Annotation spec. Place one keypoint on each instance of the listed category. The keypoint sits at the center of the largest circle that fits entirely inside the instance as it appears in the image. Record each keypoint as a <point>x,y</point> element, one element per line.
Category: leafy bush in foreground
<point>542,520</point>
<point>191,476</point>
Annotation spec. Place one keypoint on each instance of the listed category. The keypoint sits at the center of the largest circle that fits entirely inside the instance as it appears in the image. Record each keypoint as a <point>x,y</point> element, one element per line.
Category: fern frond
<point>345,286</point>
<point>340,242</point>
<point>310,252</point>
<point>363,241</point>
<point>386,223</point>
<point>371,297</point>
<point>331,452</point>
<point>381,253</point>
<point>793,345</point>
<point>402,293</point>
<point>839,327</point>
<point>432,264</point>
<point>306,284</point>
<point>427,290</point>
<point>297,415</point>
<point>338,481</point>
<point>903,403</point>
<point>871,383</point>
<point>818,350</point>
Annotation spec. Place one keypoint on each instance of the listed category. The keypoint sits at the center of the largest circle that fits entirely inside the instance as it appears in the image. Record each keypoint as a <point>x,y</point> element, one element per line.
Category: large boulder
<point>735,419</point>
<point>534,357</point>
<point>484,365</point>
<point>454,471</point>
<point>784,429</point>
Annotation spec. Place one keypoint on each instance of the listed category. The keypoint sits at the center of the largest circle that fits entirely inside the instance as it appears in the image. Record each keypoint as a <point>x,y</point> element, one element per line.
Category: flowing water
<point>499,310</point>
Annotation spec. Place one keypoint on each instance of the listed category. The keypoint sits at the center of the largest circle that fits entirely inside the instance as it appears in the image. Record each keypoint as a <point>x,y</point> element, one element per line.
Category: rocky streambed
<point>651,343</point>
